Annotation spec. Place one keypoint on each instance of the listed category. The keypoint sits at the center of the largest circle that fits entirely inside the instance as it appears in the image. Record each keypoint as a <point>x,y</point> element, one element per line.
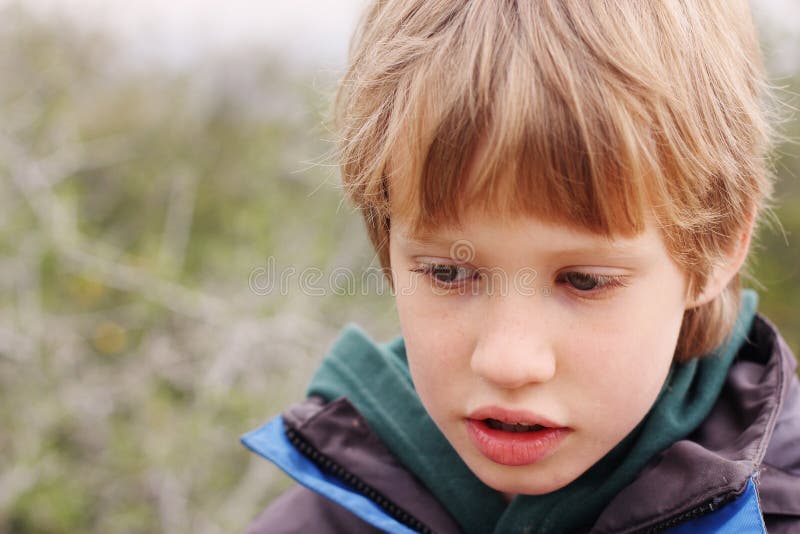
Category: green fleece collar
<point>376,380</point>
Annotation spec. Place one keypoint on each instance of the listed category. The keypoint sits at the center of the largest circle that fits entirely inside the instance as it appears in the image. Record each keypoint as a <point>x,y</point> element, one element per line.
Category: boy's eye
<point>446,274</point>
<point>588,282</point>
<point>581,281</point>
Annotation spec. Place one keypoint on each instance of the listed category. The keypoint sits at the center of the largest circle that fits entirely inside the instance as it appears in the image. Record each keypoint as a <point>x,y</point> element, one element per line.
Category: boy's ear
<point>730,264</point>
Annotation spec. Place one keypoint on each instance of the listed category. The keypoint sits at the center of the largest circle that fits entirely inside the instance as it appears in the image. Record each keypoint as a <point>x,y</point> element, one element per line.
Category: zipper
<point>694,513</point>
<point>331,467</point>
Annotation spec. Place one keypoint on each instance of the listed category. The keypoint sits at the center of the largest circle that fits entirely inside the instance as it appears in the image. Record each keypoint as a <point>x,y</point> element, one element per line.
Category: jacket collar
<point>730,446</point>
<point>339,433</point>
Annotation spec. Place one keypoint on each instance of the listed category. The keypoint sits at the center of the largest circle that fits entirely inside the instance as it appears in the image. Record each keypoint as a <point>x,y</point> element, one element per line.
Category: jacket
<point>738,472</point>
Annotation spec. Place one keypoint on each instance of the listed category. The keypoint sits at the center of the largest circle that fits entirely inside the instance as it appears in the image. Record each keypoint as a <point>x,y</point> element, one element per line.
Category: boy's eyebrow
<point>607,248</point>
<point>427,238</point>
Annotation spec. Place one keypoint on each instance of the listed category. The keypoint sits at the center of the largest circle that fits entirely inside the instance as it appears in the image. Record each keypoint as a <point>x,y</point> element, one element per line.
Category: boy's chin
<point>525,480</point>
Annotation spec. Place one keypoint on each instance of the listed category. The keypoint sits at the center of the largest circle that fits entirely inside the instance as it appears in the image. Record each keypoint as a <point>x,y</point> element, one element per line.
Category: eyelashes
<point>587,282</point>
<point>582,283</point>
<point>447,274</point>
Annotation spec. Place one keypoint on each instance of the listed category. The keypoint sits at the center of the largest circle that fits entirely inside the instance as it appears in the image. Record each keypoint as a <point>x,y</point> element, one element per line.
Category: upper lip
<point>512,416</point>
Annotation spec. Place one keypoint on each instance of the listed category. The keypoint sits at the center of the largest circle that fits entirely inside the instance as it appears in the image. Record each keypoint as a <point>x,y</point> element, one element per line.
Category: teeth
<point>512,427</point>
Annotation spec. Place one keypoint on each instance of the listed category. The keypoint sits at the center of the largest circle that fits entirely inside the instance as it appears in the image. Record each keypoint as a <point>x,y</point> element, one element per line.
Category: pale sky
<point>312,33</point>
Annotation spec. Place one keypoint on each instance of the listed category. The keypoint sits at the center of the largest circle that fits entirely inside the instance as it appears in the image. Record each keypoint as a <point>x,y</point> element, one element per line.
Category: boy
<point>562,194</point>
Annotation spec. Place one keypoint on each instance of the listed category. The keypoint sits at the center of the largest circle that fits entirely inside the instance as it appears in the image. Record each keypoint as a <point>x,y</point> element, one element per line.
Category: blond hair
<point>595,114</point>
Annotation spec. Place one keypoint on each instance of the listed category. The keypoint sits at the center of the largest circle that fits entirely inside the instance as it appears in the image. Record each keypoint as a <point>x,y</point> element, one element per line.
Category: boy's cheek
<point>438,339</point>
<point>433,333</point>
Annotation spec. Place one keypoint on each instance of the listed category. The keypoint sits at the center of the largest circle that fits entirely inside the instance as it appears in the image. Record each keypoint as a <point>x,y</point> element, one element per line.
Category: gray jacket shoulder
<point>301,510</point>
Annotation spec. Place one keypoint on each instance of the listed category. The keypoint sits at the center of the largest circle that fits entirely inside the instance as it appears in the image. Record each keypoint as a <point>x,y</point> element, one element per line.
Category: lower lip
<point>514,448</point>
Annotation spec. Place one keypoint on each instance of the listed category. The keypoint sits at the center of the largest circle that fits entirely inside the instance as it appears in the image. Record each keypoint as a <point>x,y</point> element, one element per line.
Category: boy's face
<point>535,323</point>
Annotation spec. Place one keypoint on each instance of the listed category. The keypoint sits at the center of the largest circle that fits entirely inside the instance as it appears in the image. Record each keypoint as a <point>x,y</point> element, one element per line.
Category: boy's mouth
<point>513,437</point>
<point>496,424</point>
<point>511,420</point>
<point>514,444</point>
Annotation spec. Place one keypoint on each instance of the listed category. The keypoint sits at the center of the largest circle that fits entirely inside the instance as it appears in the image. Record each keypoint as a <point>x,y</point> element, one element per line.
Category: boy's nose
<point>516,346</point>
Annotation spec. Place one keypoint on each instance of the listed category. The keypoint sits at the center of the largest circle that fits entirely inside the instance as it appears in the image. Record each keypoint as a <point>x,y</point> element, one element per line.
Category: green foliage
<point>134,205</point>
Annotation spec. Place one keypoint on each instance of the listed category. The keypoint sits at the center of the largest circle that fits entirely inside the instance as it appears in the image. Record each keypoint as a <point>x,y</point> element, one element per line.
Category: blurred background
<point>157,161</point>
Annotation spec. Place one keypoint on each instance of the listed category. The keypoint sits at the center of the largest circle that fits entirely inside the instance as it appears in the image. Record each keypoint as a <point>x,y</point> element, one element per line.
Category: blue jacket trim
<point>270,441</point>
<point>741,516</point>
